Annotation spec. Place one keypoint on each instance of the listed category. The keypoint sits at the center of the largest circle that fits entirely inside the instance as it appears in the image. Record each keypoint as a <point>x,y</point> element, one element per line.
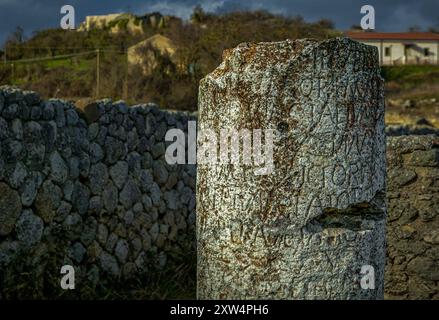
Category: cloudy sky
<point>392,15</point>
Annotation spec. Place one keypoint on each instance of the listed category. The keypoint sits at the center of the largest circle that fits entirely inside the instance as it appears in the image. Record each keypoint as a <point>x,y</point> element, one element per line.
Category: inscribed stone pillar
<point>313,228</point>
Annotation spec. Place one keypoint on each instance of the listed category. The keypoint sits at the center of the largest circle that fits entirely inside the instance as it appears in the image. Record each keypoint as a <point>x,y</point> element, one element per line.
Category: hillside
<point>59,63</point>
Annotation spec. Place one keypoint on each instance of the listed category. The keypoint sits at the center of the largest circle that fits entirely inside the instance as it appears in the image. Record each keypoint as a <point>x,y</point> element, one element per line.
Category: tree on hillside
<point>17,35</point>
<point>199,15</point>
<point>325,24</point>
<point>173,83</point>
<point>12,43</point>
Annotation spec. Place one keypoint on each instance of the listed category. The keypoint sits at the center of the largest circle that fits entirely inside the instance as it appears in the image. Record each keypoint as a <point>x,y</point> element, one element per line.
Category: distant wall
<point>96,195</point>
<point>413,218</point>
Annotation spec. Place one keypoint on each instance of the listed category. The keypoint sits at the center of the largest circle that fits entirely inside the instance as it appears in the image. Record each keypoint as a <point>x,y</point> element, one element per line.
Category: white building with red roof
<point>401,47</point>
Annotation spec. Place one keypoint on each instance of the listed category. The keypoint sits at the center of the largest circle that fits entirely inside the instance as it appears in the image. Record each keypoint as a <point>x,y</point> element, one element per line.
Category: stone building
<point>99,22</point>
<point>402,47</point>
<point>125,22</point>
<point>145,53</point>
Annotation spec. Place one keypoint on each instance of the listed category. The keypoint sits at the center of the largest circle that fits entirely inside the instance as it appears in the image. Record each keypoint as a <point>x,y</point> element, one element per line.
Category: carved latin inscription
<point>306,230</point>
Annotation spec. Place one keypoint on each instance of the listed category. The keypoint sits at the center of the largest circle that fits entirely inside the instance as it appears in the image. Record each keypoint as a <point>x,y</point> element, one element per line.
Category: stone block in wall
<point>412,270</point>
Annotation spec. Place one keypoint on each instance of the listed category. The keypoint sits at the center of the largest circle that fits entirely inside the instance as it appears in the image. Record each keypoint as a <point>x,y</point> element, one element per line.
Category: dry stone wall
<point>99,194</point>
<point>412,270</point>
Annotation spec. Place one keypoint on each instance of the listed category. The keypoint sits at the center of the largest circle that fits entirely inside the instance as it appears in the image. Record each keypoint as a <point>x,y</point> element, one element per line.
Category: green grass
<point>78,64</point>
<point>410,73</point>
<point>411,81</point>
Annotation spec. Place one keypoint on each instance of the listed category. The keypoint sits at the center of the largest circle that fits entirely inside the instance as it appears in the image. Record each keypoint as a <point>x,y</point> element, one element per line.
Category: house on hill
<point>402,47</point>
<point>145,53</point>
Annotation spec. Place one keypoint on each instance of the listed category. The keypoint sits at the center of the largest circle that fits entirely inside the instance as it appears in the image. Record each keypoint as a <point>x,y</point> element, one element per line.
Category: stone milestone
<point>315,227</point>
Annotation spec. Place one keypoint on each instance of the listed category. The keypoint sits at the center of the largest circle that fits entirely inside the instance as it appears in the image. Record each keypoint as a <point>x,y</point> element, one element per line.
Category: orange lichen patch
<point>322,158</point>
<point>227,53</point>
<point>250,52</point>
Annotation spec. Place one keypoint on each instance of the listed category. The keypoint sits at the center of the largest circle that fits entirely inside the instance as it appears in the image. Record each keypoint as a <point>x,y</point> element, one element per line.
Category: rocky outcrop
<point>125,22</point>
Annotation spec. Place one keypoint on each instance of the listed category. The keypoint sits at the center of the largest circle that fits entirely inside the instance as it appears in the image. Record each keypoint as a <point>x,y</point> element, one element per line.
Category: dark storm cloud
<point>395,15</point>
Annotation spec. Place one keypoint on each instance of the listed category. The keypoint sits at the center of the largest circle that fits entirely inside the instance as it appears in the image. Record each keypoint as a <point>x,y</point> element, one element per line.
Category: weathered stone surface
<point>96,153</point>
<point>60,117</point>
<point>29,228</point>
<point>110,197</point>
<point>109,264</point>
<point>122,250</point>
<point>10,112</point>
<point>158,150</point>
<point>98,178</point>
<point>30,187</point>
<point>305,230</point>
<point>160,172</point>
<point>65,183</point>
<point>48,110</point>
<point>102,234</point>
<point>4,130</point>
<point>72,225</point>
<point>31,97</point>
<point>130,194</point>
<point>402,177</point>
<point>428,158</point>
<point>77,252</point>
<point>93,131</point>
<point>10,208</point>
<point>80,197</point>
<point>72,117</point>
<point>95,205</point>
<point>63,210</point>
<point>425,267</point>
<point>59,169</point>
<point>8,250</point>
<point>48,200</point>
<point>89,231</point>
<point>171,199</point>
<point>119,173</point>
<point>17,129</point>
<point>18,176</point>
<point>111,242</point>
<point>147,202</point>
<point>155,193</point>
<point>114,149</point>
<point>413,224</point>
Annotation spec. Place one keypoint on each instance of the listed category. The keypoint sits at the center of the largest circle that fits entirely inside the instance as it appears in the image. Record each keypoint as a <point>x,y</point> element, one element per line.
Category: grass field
<point>411,82</point>
<point>76,64</point>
